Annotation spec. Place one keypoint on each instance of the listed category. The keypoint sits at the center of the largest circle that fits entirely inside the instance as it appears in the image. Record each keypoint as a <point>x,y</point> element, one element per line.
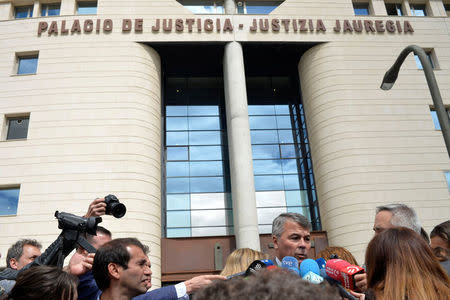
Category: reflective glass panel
<point>303,210</point>
<point>176,138</point>
<point>204,138</point>
<point>265,151</point>
<point>27,65</point>
<point>9,199</point>
<point>177,153</point>
<point>206,168</point>
<point>294,198</point>
<point>262,122</point>
<point>177,169</point>
<point>291,182</point>
<point>207,185</point>
<point>284,122</point>
<point>204,123</point>
<point>266,215</point>
<point>285,136</point>
<point>87,8</point>
<point>177,185</point>
<point>210,231</point>
<point>435,119</point>
<point>213,217</point>
<point>288,151</point>
<point>17,128</point>
<point>176,123</point>
<point>176,110</point>
<point>264,136</point>
<point>418,10</point>
<point>22,12</point>
<point>50,9</point>
<point>261,110</point>
<point>289,166</point>
<point>268,183</point>
<point>178,232</point>
<point>209,201</point>
<point>203,110</point>
<point>263,229</point>
<point>206,153</point>
<point>178,201</point>
<point>447,177</point>
<point>272,166</point>
<point>272,198</point>
<point>361,9</point>
<point>261,7</point>
<point>282,109</point>
<point>178,219</point>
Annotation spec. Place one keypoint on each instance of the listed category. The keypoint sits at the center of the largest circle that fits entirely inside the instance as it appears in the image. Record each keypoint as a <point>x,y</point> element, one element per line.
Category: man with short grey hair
<point>396,215</point>
<point>291,236</point>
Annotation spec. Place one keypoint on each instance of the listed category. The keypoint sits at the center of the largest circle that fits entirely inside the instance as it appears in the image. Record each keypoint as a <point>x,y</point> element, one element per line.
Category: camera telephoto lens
<point>114,207</point>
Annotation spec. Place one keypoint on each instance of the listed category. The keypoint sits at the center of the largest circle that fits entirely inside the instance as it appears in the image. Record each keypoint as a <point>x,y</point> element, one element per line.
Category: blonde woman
<point>240,259</point>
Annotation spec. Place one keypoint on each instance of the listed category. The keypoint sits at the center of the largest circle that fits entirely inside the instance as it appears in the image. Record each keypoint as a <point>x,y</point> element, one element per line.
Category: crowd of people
<point>401,262</point>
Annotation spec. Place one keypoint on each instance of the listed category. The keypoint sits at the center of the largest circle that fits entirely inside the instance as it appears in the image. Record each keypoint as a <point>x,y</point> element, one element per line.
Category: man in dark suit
<point>291,236</point>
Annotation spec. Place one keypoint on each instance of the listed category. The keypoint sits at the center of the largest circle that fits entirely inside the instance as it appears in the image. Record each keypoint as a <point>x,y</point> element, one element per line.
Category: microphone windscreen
<point>268,262</point>
<point>309,265</point>
<point>254,267</point>
<point>290,263</point>
<point>321,262</point>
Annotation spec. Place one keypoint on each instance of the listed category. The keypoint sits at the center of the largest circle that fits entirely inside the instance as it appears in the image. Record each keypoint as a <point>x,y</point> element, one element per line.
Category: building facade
<point>209,118</point>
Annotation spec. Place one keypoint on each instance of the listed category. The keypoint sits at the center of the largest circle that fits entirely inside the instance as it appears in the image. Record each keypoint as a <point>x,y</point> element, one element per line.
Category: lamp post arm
<point>441,112</point>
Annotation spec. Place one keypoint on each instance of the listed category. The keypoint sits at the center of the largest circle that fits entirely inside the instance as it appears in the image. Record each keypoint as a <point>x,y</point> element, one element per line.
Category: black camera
<point>114,207</point>
<point>80,224</point>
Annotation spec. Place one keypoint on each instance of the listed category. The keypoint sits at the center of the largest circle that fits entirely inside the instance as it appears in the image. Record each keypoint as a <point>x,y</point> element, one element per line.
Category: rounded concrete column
<point>230,7</point>
<point>240,150</point>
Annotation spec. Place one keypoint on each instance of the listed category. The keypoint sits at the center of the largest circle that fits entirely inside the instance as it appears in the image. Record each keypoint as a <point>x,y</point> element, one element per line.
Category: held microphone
<point>343,272</point>
<point>254,267</point>
<point>309,271</point>
<point>321,262</point>
<point>342,291</point>
<point>290,263</point>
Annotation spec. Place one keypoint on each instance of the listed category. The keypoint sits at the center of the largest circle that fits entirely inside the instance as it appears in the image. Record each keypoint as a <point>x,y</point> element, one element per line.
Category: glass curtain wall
<point>197,192</point>
<point>282,166</point>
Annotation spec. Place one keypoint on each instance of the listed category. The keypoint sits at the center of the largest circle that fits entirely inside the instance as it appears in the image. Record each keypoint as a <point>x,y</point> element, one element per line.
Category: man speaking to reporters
<point>291,236</point>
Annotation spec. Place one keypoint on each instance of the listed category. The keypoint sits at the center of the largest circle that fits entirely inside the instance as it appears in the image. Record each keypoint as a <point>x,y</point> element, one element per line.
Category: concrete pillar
<point>230,7</point>
<point>67,8</point>
<point>239,148</point>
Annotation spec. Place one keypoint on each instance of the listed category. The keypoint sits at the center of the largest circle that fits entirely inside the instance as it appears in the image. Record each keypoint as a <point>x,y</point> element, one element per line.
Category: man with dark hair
<point>269,285</point>
<point>122,269</point>
<point>20,254</point>
<point>291,236</point>
<point>440,243</point>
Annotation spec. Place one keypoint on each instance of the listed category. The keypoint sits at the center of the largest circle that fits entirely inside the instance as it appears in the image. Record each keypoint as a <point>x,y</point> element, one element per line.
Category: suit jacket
<point>88,290</point>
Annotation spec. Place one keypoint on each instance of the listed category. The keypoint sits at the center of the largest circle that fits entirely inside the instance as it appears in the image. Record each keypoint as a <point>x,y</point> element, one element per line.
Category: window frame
<point>397,6</point>
<point>432,58</point>
<point>435,119</point>
<point>6,125</point>
<point>355,5</point>
<point>413,7</point>
<point>84,3</point>
<point>29,8</point>
<point>19,56</point>
<point>11,187</point>
<point>46,6</point>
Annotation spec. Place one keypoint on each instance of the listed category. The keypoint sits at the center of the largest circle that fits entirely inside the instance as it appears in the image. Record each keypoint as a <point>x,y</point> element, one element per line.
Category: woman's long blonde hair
<point>400,265</point>
<point>240,259</point>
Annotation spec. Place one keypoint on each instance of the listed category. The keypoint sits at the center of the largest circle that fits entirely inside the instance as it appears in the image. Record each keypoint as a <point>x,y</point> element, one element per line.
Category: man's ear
<point>13,263</point>
<point>114,270</point>
<point>275,241</point>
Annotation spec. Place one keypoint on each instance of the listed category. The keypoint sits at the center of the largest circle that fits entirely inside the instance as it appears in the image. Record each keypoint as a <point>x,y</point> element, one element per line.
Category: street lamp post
<point>391,76</point>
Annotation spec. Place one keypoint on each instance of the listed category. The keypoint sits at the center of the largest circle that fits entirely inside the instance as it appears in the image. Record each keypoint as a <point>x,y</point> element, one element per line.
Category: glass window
<point>176,110</point>
<point>210,201</point>
<point>206,168</point>
<point>429,57</point>
<point>52,9</point>
<point>211,231</point>
<point>177,185</point>
<point>284,122</point>
<point>303,210</point>
<point>207,185</point>
<point>176,123</point>
<point>261,110</point>
<point>178,232</point>
<point>177,169</point>
<point>291,182</point>
<point>270,199</point>
<point>289,166</point>
<point>17,128</point>
<point>418,10</point>
<point>286,136</point>
<point>268,183</point>
<point>265,151</point>
<point>204,138</point>
<point>176,138</point>
<point>22,12</point>
<point>203,7</point>
<point>213,217</point>
<point>447,177</point>
<point>267,167</point>
<point>447,9</point>
<point>264,136</point>
<point>296,198</point>
<point>394,9</point>
<point>87,7</point>
<point>435,119</point>
<point>177,153</point>
<point>203,110</point>
<point>257,7</point>
<point>205,153</point>
<point>27,64</point>
<point>9,198</point>
<point>204,123</point>
<point>288,151</point>
<point>262,122</point>
<point>266,215</point>
<point>178,219</point>
<point>178,201</point>
<point>361,8</point>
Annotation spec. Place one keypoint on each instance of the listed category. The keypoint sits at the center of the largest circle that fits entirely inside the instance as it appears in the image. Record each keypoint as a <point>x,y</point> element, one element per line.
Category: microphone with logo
<point>290,263</point>
<point>309,271</point>
<point>343,272</point>
<point>254,267</point>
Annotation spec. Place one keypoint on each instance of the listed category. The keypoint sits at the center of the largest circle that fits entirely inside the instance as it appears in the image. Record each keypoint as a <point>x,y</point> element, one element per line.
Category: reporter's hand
<point>96,208</point>
<point>196,283</point>
<point>358,295</point>
<point>81,262</point>
<point>361,282</point>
